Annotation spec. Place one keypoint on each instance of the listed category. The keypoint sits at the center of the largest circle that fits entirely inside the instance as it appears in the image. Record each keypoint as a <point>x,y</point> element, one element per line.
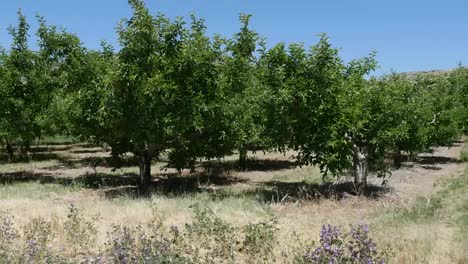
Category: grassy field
<point>74,207</point>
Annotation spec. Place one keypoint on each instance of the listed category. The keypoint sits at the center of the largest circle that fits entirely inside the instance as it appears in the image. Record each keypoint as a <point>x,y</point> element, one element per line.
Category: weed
<point>38,235</point>
<point>80,232</point>
<point>425,208</point>
<point>216,237</point>
<point>464,154</point>
<point>135,245</point>
<point>8,235</point>
<point>353,247</point>
<point>260,240</point>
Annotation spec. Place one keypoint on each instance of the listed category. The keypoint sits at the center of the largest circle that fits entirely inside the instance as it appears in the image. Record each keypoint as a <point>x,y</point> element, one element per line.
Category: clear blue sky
<point>408,35</point>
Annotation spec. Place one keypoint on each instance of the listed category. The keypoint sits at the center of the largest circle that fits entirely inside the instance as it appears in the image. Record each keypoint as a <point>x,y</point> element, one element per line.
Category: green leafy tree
<point>329,111</point>
<point>401,117</point>
<point>242,94</point>
<point>136,109</point>
<point>280,69</point>
<point>444,107</point>
<point>315,112</point>
<point>459,80</point>
<point>64,70</point>
<point>196,129</point>
<point>172,89</point>
<point>4,131</point>
<point>86,104</point>
<point>359,137</point>
<point>24,97</point>
<point>36,84</point>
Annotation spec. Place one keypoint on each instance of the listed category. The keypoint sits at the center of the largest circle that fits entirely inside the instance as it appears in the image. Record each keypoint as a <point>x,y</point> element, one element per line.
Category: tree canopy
<point>170,88</point>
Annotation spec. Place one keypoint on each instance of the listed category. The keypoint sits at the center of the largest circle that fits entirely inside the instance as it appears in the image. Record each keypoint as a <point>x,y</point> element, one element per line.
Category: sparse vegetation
<point>180,147</point>
<point>261,216</point>
<point>208,239</point>
<point>464,154</point>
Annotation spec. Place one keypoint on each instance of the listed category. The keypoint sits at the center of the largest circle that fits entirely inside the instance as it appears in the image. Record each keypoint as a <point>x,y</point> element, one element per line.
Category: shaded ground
<point>298,198</point>
<point>419,177</point>
<point>270,177</point>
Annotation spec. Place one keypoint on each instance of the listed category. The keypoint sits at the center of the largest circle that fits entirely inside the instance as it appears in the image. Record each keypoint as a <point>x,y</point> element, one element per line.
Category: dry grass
<point>46,188</point>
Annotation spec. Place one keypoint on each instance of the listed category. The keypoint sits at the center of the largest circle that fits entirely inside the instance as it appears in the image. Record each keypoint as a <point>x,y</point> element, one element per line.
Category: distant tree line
<point>172,89</point>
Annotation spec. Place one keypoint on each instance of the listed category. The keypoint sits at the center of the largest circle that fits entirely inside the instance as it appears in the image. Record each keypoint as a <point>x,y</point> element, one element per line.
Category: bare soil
<point>420,177</point>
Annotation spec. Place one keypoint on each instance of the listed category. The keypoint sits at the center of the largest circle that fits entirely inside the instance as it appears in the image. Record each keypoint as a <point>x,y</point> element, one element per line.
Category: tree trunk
<point>360,164</point>
<point>10,151</point>
<point>243,158</point>
<point>397,159</point>
<point>144,186</point>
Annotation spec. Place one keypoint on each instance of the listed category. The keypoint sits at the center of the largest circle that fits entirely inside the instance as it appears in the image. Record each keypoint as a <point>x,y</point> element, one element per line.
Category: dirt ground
<point>298,198</point>
<point>419,178</point>
<point>274,172</point>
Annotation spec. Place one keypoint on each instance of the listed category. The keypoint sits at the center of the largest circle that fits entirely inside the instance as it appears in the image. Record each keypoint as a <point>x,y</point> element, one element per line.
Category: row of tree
<point>172,89</point>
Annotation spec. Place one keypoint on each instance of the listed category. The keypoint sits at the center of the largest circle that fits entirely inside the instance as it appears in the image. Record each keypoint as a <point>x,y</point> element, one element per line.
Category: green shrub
<point>464,154</point>
<point>137,245</point>
<point>354,246</point>
<point>8,235</point>
<point>208,239</point>
<point>425,208</point>
<point>216,238</point>
<point>260,240</point>
<point>80,232</point>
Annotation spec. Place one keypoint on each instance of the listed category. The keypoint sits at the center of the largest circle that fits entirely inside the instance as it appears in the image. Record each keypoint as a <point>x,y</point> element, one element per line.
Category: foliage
<point>8,234</point>
<point>315,109</point>
<point>259,240</point>
<point>171,90</point>
<point>445,109</point>
<point>25,97</point>
<point>194,127</point>
<point>61,63</point>
<point>134,245</point>
<point>79,231</point>
<point>208,239</point>
<point>214,235</point>
<point>464,154</point>
<point>353,247</point>
<point>241,93</point>
<point>459,81</point>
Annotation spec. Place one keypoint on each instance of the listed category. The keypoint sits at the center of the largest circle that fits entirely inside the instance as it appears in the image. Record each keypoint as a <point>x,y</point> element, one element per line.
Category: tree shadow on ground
<point>220,167</point>
<point>213,167</point>
<point>214,174</point>
<point>21,176</point>
<point>87,151</point>
<point>210,175</point>
<point>174,185</point>
<point>24,158</point>
<point>51,148</point>
<point>434,160</point>
<point>293,192</point>
<point>429,162</point>
<point>66,142</point>
<point>431,167</point>
<point>35,153</point>
<point>93,162</point>
<point>90,180</point>
<point>112,185</point>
